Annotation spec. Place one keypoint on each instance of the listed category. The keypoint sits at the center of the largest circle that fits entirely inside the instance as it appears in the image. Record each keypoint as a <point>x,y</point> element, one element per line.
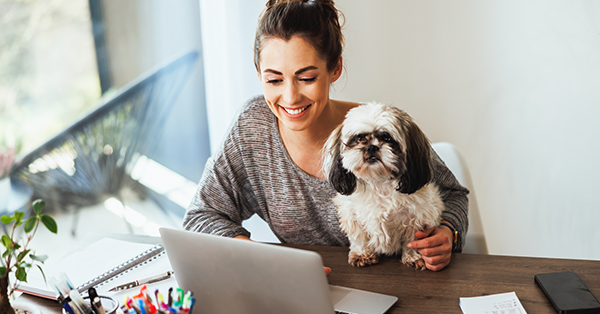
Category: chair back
<point>475,242</point>
<point>93,158</point>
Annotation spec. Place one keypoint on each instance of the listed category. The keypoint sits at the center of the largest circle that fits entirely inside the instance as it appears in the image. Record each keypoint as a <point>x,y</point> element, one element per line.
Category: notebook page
<point>82,266</point>
<point>158,265</point>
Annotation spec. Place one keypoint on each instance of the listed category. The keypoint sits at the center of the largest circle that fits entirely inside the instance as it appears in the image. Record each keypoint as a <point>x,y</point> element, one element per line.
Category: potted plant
<point>18,258</point>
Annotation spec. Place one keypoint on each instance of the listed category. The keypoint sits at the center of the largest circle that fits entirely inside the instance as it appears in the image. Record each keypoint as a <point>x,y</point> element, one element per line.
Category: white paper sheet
<point>503,303</point>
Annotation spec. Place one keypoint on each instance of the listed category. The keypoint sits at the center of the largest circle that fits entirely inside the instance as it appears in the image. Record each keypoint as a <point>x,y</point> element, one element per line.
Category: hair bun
<point>316,21</point>
<point>272,3</point>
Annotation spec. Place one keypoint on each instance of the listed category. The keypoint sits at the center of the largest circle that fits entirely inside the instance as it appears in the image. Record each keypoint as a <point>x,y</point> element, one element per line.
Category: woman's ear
<point>337,71</point>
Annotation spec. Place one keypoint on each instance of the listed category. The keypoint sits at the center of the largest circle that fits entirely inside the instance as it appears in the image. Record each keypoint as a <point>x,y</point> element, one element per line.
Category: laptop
<point>236,276</point>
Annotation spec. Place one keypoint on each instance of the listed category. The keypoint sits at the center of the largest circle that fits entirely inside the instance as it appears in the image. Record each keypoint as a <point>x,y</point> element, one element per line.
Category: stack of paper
<point>504,303</point>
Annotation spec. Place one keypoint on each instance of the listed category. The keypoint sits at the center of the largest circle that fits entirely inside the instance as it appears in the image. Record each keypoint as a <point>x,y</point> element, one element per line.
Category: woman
<point>270,162</point>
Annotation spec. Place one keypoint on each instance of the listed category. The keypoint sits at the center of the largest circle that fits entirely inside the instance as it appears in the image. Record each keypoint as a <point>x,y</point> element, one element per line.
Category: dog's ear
<point>340,178</point>
<point>419,165</point>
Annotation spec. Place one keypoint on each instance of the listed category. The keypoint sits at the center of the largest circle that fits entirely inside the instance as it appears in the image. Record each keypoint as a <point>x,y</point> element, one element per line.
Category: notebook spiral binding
<point>125,266</point>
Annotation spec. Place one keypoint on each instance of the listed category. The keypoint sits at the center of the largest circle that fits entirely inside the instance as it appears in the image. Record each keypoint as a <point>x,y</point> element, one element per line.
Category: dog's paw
<point>418,264</point>
<point>363,260</point>
<point>412,258</point>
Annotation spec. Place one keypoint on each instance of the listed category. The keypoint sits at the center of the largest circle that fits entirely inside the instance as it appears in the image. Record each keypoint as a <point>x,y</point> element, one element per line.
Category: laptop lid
<point>236,276</point>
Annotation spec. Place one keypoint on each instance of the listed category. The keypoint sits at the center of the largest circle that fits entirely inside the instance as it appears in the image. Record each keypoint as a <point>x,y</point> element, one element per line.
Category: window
<point>58,57</point>
<point>48,72</point>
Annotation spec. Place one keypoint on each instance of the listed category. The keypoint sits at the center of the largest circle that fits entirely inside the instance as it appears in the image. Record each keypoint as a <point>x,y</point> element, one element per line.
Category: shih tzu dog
<point>380,162</point>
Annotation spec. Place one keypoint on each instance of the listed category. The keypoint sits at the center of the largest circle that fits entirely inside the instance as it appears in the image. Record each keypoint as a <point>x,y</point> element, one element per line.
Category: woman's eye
<point>308,80</point>
<point>275,81</point>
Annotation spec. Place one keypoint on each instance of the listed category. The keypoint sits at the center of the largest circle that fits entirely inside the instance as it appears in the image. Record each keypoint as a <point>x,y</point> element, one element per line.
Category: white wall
<point>514,84</point>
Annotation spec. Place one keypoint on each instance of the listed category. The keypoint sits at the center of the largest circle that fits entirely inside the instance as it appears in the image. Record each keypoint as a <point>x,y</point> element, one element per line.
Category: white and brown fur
<point>380,163</point>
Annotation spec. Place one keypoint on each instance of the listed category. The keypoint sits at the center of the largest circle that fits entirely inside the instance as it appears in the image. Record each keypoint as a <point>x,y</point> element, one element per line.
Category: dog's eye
<point>386,138</point>
<point>360,138</point>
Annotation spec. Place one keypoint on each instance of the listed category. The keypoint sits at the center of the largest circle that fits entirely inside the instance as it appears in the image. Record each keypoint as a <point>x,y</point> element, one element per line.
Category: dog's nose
<point>372,149</point>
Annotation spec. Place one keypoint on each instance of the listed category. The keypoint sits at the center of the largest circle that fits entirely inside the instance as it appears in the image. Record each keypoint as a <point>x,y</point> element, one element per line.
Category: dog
<point>380,163</point>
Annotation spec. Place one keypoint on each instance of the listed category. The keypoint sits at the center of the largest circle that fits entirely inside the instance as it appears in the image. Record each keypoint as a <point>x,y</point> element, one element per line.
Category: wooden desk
<point>439,292</point>
<point>467,275</point>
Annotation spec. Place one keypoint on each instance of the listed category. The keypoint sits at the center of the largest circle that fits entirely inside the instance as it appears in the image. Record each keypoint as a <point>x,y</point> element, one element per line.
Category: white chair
<point>475,242</point>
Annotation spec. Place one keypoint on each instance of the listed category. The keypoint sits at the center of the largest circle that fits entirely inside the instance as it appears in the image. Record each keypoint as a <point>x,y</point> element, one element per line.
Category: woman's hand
<point>435,246</point>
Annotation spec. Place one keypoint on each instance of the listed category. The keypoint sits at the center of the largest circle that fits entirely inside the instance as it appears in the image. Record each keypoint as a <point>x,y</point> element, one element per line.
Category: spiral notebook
<point>101,265</point>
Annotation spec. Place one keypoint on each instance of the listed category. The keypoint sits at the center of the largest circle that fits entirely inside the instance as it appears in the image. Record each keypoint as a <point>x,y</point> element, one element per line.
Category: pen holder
<point>109,304</point>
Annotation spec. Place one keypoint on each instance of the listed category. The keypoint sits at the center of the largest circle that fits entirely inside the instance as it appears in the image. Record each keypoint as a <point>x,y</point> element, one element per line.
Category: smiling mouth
<point>295,111</point>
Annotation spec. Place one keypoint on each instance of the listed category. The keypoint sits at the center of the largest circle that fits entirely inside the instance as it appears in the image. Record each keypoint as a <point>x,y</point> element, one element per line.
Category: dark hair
<point>316,21</point>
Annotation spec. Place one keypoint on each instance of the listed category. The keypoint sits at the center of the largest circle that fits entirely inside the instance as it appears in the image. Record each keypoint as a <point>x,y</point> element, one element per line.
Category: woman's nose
<point>291,94</point>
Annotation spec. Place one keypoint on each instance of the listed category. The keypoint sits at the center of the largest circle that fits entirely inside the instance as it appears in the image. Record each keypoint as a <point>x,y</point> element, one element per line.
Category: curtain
<point>227,38</point>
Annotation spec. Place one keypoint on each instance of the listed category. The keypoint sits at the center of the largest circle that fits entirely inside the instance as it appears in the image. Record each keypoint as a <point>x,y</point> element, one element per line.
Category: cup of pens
<point>74,303</point>
<point>175,302</point>
<point>100,304</point>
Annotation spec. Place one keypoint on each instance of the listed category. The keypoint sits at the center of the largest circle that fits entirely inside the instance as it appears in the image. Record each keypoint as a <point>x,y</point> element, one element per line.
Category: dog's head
<point>376,143</point>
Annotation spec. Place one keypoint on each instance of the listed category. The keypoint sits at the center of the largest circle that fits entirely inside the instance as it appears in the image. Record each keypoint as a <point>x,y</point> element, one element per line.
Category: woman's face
<point>295,81</point>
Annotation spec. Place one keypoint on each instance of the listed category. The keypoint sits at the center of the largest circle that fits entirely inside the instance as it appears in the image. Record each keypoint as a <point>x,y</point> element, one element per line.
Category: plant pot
<point>25,308</point>
<point>4,193</point>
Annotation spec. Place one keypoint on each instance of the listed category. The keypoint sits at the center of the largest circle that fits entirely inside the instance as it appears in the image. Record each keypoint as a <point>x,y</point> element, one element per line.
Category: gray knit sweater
<point>253,173</point>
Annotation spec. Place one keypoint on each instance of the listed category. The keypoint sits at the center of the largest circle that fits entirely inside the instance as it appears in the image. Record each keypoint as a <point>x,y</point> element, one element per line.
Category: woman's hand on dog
<point>435,246</point>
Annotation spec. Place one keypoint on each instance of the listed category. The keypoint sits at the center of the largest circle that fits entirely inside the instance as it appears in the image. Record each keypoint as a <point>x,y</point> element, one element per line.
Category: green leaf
<point>38,206</point>
<point>30,224</point>
<point>39,258</point>
<point>42,271</point>
<point>7,253</point>
<point>50,223</point>
<point>11,251</point>
<point>6,241</point>
<point>2,271</point>
<point>7,219</point>
<point>22,255</point>
<point>19,217</point>
<point>21,274</point>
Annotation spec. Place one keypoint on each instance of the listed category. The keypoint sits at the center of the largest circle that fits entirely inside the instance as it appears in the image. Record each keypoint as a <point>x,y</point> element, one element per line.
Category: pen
<point>192,302</point>
<point>157,301</point>
<point>78,304</point>
<point>143,281</point>
<point>92,294</point>
<point>68,308</point>
<point>180,296</point>
<point>141,303</point>
<point>97,306</point>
